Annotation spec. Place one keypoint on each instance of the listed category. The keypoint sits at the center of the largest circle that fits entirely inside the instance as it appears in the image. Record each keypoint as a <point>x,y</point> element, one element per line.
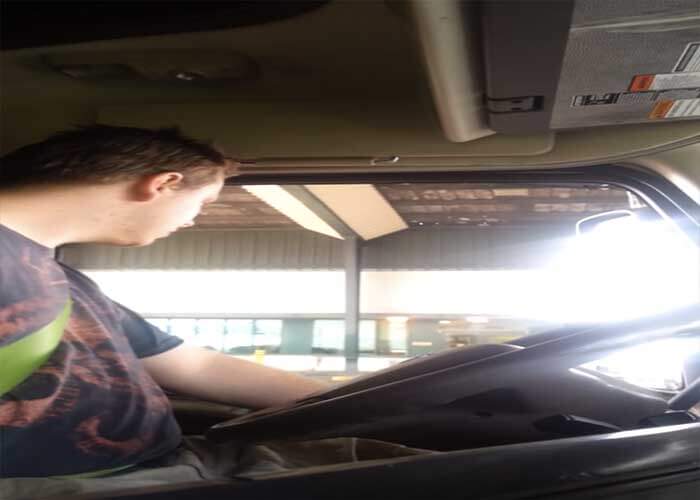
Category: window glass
<point>368,336</point>
<point>210,333</point>
<point>185,328</point>
<point>267,334</point>
<point>655,365</point>
<point>442,266</point>
<point>329,336</point>
<point>239,336</point>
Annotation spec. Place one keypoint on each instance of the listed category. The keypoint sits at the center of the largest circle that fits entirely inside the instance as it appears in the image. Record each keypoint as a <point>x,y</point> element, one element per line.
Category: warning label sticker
<point>676,109</point>
<point>690,60</point>
<point>614,98</point>
<point>672,95</point>
<point>660,110</point>
<point>643,83</point>
<point>634,98</point>
<point>595,100</point>
<point>684,107</point>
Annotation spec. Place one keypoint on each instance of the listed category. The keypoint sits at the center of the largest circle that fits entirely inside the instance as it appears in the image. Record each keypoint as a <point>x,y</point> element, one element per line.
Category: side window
<point>660,365</point>
<point>329,336</point>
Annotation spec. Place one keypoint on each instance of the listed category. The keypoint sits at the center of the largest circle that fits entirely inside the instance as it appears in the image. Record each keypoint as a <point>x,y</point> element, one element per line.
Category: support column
<point>352,303</point>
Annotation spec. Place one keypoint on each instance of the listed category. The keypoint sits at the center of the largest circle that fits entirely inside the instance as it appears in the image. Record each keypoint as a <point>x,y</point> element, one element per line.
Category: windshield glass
<point>336,280</point>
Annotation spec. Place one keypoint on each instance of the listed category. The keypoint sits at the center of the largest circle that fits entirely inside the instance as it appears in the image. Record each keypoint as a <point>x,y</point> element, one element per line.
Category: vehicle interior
<point>420,150</point>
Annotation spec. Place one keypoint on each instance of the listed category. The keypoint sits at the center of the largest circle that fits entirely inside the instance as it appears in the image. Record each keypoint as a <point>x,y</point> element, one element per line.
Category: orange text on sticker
<point>641,83</point>
<point>661,109</point>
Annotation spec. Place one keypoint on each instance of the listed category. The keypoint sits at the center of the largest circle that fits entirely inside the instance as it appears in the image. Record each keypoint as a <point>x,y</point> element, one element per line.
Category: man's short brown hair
<point>101,154</point>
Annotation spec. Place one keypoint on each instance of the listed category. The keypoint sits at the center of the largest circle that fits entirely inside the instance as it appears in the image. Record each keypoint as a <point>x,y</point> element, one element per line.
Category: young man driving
<point>96,404</point>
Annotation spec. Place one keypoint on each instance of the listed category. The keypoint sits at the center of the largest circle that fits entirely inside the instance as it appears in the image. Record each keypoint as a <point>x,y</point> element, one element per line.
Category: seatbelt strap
<point>20,359</point>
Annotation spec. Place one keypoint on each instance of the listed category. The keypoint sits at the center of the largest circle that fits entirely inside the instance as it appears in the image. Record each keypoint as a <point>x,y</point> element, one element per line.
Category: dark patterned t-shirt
<point>92,406</point>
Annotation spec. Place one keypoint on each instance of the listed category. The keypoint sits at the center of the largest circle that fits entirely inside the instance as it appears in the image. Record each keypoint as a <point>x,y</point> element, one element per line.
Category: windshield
<point>336,280</point>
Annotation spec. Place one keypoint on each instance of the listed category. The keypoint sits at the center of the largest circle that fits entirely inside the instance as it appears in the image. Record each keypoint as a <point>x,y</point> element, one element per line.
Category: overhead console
<point>571,64</point>
<point>516,84</point>
<point>554,65</point>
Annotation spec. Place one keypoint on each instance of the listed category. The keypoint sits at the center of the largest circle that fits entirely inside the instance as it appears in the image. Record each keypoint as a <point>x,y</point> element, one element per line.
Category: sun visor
<point>451,54</point>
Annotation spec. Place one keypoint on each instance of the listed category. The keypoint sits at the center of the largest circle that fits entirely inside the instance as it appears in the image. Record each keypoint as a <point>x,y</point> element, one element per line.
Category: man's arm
<point>213,376</point>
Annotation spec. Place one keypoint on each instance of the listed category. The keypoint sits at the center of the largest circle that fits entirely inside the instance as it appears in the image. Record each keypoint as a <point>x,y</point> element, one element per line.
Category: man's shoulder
<point>11,239</point>
<point>33,289</point>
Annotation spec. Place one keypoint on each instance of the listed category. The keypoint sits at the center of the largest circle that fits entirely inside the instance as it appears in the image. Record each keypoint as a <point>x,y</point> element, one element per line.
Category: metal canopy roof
<point>438,204</point>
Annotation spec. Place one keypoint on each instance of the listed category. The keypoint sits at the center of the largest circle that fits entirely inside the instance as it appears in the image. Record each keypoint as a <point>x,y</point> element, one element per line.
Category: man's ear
<point>149,187</point>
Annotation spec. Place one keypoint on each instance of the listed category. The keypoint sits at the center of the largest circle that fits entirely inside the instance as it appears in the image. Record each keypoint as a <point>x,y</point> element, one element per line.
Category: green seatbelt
<point>20,359</point>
